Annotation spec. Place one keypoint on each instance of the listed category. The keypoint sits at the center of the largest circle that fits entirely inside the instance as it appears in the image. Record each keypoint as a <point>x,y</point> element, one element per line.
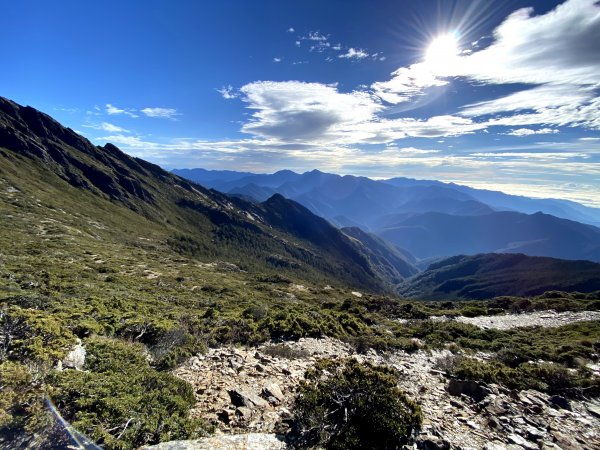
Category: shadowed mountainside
<point>492,275</point>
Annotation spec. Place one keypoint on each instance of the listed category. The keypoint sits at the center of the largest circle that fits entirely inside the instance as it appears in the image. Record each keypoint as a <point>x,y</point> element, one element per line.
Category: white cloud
<point>529,131</point>
<point>129,141</point>
<point>537,98</point>
<point>227,92</point>
<point>113,110</point>
<point>291,30</point>
<point>295,111</point>
<point>276,60</point>
<point>354,53</point>
<point>319,114</point>
<point>531,155</point>
<point>162,113</point>
<point>319,43</point>
<point>105,126</point>
<point>316,36</point>
<point>555,53</point>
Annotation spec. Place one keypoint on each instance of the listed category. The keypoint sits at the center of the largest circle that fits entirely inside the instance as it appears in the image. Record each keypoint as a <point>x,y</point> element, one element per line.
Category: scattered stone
<point>537,318</point>
<point>456,420</point>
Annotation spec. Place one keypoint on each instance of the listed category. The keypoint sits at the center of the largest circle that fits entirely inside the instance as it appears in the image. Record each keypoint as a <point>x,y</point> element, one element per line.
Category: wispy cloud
<point>228,92</point>
<point>161,113</point>
<point>112,110</point>
<point>277,60</point>
<point>320,43</point>
<point>529,131</point>
<point>105,126</point>
<point>354,53</point>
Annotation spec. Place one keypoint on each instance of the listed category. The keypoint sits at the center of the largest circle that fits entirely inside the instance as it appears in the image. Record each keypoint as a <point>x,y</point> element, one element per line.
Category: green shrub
<point>348,405</point>
<point>545,377</point>
<point>30,334</point>
<point>120,401</point>
<point>21,401</point>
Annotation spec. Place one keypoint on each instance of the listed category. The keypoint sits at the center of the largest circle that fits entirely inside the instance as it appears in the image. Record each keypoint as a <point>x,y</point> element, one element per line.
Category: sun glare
<point>443,49</point>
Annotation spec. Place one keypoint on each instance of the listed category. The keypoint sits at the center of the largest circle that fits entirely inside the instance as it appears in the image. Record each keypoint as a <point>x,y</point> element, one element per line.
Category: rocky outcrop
<point>251,390</point>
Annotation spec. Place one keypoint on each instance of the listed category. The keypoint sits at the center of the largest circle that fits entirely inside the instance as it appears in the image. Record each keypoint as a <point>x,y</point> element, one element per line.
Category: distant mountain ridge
<point>431,219</point>
<point>491,275</point>
<point>279,235</point>
<point>292,185</point>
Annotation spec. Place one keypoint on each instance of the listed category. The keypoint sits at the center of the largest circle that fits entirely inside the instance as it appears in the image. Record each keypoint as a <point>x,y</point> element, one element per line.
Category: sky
<point>497,94</point>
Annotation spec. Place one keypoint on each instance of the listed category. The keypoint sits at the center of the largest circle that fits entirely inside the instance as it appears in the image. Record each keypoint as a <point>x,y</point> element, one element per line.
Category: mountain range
<point>429,219</point>
<point>57,185</point>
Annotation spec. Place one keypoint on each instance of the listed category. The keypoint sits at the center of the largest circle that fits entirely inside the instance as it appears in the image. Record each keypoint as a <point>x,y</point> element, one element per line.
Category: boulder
<point>272,390</point>
<point>76,357</point>
<point>247,399</point>
<point>429,442</point>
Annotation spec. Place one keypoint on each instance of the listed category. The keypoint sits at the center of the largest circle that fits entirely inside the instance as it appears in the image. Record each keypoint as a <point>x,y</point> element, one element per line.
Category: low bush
<point>348,405</point>
<point>120,401</point>
<point>544,377</point>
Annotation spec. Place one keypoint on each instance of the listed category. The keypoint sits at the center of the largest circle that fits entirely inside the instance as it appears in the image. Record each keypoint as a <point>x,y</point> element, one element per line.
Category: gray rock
<point>247,399</point>
<point>428,442</point>
<point>594,409</point>
<point>560,402</point>
<point>519,440</point>
<point>273,390</point>
<point>76,357</point>
<point>495,445</point>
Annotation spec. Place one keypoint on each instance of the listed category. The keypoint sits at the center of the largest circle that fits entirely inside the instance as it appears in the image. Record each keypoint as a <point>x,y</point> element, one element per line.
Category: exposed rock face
<point>243,390</point>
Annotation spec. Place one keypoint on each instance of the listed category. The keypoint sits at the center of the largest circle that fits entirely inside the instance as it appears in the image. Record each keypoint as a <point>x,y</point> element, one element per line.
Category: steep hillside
<point>491,275</point>
<point>396,263</point>
<point>131,197</point>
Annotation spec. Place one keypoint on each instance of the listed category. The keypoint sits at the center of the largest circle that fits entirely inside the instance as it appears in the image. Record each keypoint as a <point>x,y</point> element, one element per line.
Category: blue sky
<point>496,94</point>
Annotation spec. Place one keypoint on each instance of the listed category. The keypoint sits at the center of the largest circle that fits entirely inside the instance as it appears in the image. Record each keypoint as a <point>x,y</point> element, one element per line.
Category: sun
<point>442,50</point>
